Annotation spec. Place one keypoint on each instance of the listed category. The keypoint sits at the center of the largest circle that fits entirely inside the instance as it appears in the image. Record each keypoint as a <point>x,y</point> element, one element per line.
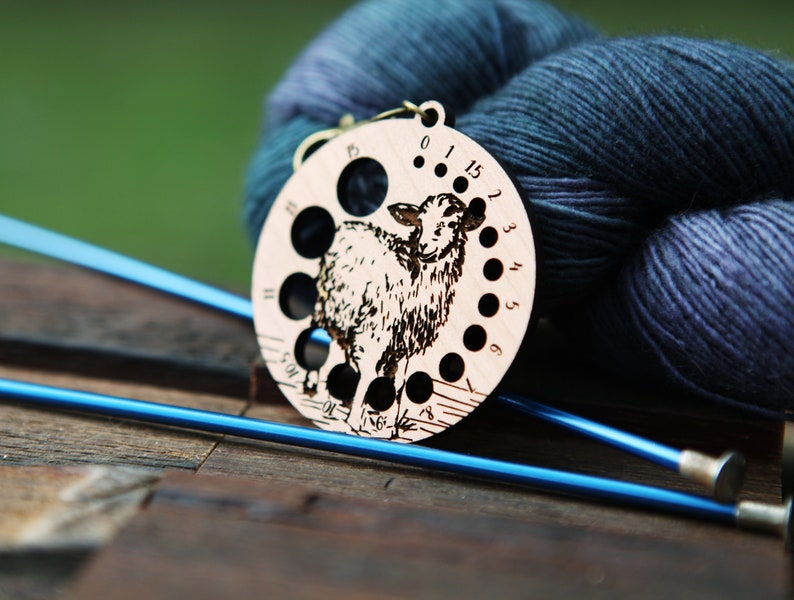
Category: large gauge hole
<point>488,305</point>
<point>419,387</point>
<point>312,347</point>
<point>477,208</point>
<point>451,367</point>
<point>493,269</point>
<point>488,237</point>
<point>312,232</point>
<point>474,338</point>
<point>380,393</point>
<point>297,296</point>
<point>362,187</point>
<point>342,382</point>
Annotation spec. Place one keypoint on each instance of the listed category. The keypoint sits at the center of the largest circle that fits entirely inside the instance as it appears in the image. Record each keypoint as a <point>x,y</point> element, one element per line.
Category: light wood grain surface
<point>215,516</point>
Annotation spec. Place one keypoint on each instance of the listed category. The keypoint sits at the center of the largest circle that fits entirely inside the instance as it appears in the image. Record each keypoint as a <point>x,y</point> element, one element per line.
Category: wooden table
<point>93,507</point>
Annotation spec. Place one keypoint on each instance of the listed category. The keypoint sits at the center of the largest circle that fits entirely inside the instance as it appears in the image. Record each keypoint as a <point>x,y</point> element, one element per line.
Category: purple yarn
<point>660,172</point>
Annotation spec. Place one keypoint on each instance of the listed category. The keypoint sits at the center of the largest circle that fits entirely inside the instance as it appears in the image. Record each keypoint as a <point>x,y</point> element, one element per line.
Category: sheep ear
<point>405,214</point>
<point>472,221</point>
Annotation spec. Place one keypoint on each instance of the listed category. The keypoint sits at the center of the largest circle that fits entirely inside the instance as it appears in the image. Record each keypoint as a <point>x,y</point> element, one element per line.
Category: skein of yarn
<point>660,172</point>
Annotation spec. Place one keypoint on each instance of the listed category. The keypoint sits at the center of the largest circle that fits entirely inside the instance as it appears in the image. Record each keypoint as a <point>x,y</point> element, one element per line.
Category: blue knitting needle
<point>42,241</point>
<point>753,515</point>
<point>721,476</point>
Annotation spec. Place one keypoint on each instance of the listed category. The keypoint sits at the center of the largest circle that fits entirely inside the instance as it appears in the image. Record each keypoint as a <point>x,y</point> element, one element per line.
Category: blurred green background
<point>130,124</point>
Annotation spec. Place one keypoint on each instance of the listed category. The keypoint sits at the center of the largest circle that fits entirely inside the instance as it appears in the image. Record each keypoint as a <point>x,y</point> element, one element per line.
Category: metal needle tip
<point>767,517</point>
<point>723,476</point>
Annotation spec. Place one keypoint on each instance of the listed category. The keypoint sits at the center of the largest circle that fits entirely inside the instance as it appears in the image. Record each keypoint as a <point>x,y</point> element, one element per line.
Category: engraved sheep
<point>383,298</point>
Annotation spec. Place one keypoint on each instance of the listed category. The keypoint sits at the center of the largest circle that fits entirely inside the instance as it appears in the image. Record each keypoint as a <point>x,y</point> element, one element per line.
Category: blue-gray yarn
<point>660,172</point>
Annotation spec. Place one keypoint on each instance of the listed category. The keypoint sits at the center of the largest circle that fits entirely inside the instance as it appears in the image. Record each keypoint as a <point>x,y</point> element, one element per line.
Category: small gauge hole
<point>297,296</point>
<point>488,237</point>
<point>440,170</point>
<point>312,232</point>
<point>460,185</point>
<point>451,367</point>
<point>474,338</point>
<point>312,347</point>
<point>362,187</point>
<point>343,382</point>
<point>380,393</point>
<point>493,269</point>
<point>477,208</point>
<point>419,162</point>
<point>419,387</point>
<point>488,305</point>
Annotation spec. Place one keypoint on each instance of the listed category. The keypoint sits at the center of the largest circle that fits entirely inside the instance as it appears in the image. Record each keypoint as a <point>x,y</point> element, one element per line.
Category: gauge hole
<point>342,382</point>
<point>477,208</point>
<point>313,232</point>
<point>451,367</point>
<point>380,393</point>
<point>419,387</point>
<point>474,338</point>
<point>493,269</point>
<point>312,347</point>
<point>488,305</point>
<point>488,237</point>
<point>362,187</point>
<point>460,185</point>
<point>297,296</point>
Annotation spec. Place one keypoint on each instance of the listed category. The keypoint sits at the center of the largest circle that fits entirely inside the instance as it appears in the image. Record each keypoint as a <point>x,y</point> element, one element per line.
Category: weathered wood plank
<point>68,508</point>
<point>210,537</point>
<point>362,478</point>
<point>33,436</point>
<point>64,322</point>
<point>39,575</point>
<point>56,317</point>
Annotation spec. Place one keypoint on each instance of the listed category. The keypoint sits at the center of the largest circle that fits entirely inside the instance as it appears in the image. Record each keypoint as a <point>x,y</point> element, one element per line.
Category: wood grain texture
<point>34,436</point>
<point>364,478</point>
<point>210,537</point>
<point>39,575</point>
<point>56,317</point>
<point>68,508</point>
<point>293,522</point>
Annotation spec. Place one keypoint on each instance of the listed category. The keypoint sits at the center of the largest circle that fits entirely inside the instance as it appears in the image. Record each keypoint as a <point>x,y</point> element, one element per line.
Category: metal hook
<point>346,123</point>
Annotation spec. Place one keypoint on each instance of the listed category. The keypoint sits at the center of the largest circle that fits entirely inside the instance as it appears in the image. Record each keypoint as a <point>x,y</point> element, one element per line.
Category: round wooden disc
<point>394,279</point>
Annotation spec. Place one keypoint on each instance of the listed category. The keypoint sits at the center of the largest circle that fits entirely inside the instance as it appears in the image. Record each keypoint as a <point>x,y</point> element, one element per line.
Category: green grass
<point>130,124</point>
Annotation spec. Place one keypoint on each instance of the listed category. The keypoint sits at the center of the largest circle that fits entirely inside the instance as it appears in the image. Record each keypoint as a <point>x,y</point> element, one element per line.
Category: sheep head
<point>440,224</point>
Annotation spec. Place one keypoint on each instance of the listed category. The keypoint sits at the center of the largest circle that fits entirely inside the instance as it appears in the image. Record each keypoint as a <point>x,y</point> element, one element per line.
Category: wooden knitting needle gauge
<point>394,279</point>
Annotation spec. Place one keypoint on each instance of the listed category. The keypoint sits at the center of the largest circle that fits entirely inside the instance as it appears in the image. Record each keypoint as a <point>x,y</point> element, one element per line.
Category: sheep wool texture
<point>659,172</point>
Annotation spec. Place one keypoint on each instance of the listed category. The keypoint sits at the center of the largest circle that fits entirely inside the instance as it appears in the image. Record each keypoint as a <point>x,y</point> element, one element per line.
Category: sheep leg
<point>311,382</point>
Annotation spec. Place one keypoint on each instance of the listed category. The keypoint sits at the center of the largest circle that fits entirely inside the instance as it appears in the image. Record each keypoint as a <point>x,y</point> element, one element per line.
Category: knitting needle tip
<point>767,517</point>
<point>722,476</point>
